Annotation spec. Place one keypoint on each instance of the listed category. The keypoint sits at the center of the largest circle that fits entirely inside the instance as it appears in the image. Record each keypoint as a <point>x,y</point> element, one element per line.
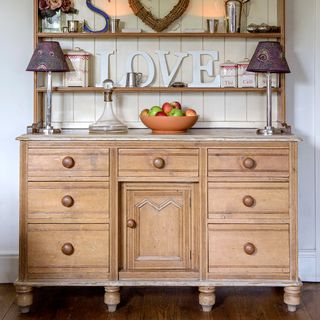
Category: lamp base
<point>37,128</point>
<point>49,131</point>
<point>271,131</point>
<point>267,131</point>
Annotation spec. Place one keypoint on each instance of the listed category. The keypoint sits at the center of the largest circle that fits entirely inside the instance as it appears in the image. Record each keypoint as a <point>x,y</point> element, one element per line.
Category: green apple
<point>176,113</point>
<point>154,110</point>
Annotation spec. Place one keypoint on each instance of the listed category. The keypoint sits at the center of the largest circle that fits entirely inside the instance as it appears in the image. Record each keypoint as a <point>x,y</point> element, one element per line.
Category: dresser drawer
<point>68,202</point>
<point>251,200</point>
<point>248,162</point>
<point>68,251</point>
<point>159,162</point>
<point>249,251</point>
<point>68,162</point>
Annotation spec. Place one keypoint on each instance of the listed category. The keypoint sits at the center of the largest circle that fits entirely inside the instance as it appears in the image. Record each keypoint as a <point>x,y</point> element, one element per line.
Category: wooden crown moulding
<point>154,89</point>
<point>123,35</point>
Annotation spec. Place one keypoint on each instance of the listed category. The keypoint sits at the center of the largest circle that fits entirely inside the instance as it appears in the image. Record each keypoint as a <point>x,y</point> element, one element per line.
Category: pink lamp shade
<point>48,56</point>
<point>268,57</point>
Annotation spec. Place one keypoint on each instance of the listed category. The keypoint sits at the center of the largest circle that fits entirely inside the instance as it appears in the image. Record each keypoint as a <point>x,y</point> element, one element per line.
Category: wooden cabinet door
<point>157,226</point>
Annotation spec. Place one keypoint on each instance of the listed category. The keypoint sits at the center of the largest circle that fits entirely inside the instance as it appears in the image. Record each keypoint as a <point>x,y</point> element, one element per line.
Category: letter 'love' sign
<point>167,75</point>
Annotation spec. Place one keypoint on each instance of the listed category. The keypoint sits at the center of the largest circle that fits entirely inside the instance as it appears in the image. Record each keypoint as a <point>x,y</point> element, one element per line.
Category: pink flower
<point>67,5</point>
<point>55,4</point>
<point>44,5</point>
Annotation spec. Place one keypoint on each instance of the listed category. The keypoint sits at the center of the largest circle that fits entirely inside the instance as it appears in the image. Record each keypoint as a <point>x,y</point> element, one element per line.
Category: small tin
<point>246,79</point>
<point>73,26</point>
<point>78,61</point>
<point>229,75</point>
<point>262,80</point>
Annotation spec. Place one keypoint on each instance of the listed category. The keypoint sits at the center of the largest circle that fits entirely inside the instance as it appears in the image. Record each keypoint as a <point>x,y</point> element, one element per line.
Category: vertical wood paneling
<point>236,107</point>
<point>101,47</point>
<point>191,100</point>
<point>256,107</point>
<point>214,108</point>
<point>193,15</point>
<point>273,12</point>
<point>62,104</point>
<point>192,19</point>
<point>84,102</point>
<point>236,103</point>
<point>258,12</point>
<point>214,103</point>
<point>127,104</point>
<point>84,13</point>
<point>131,112</point>
<point>213,8</point>
<point>153,6</point>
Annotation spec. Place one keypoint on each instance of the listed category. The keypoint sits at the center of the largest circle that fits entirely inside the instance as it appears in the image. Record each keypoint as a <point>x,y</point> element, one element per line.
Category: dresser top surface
<point>147,135</point>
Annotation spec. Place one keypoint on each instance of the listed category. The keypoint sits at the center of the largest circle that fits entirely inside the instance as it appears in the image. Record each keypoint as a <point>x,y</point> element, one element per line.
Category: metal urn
<point>234,14</point>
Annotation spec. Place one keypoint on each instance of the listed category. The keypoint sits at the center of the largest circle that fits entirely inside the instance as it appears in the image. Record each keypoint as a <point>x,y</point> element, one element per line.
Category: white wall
<point>303,106</point>
<point>303,111</point>
<point>15,114</point>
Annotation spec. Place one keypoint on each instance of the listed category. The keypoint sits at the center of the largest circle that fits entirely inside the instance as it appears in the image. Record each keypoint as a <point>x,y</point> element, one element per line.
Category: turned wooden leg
<point>292,297</point>
<point>112,298</point>
<point>207,298</point>
<point>24,298</point>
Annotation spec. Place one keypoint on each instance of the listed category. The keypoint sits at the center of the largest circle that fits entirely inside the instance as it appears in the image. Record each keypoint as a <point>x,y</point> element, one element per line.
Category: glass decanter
<point>108,122</point>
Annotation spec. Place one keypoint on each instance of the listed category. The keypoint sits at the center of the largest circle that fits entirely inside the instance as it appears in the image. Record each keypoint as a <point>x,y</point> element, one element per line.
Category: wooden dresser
<point>209,208</point>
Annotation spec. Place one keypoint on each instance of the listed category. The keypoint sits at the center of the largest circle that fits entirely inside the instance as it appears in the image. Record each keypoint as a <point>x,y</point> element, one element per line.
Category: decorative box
<point>262,80</point>
<point>246,79</point>
<point>229,75</point>
<point>78,61</point>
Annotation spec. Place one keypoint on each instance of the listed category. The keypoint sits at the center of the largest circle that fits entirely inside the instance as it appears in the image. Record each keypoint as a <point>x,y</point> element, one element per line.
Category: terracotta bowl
<point>169,124</point>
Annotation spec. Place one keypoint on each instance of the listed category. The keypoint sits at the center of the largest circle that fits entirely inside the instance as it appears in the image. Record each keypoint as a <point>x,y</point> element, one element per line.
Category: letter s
<point>86,28</point>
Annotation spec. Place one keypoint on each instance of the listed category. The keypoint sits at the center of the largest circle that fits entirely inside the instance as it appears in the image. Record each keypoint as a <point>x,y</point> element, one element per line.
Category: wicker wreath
<point>158,24</point>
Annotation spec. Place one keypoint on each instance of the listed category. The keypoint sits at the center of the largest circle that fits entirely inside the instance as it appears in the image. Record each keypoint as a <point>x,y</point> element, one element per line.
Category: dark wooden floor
<point>161,304</point>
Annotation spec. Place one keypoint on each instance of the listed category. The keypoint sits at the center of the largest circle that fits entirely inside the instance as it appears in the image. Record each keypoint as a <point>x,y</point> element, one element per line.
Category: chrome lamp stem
<point>48,129</point>
<point>268,130</point>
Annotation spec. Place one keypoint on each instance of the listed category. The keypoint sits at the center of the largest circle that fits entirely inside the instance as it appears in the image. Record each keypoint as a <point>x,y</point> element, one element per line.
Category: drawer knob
<point>67,201</point>
<point>159,163</point>
<point>68,162</point>
<point>248,201</point>
<point>249,163</point>
<point>131,224</point>
<point>67,249</point>
<point>249,248</point>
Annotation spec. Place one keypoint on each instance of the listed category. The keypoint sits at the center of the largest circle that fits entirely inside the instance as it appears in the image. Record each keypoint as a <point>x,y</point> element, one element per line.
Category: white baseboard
<point>9,265</point>
<point>307,265</point>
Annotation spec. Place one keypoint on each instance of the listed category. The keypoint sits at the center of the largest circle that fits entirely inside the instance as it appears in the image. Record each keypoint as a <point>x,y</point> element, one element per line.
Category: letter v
<point>167,77</point>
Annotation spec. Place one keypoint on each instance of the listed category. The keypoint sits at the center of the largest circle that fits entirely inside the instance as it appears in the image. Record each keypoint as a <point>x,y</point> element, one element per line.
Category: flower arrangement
<point>49,8</point>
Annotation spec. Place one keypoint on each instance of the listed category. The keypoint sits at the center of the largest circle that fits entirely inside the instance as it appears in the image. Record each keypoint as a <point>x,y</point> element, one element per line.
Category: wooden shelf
<point>124,35</point>
<point>153,89</point>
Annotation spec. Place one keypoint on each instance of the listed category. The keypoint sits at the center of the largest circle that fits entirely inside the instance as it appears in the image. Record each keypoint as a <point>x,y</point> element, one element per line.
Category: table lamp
<point>268,58</point>
<point>48,57</point>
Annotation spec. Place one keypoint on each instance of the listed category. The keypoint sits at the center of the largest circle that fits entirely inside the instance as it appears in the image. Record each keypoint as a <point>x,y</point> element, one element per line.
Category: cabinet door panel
<point>157,224</point>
